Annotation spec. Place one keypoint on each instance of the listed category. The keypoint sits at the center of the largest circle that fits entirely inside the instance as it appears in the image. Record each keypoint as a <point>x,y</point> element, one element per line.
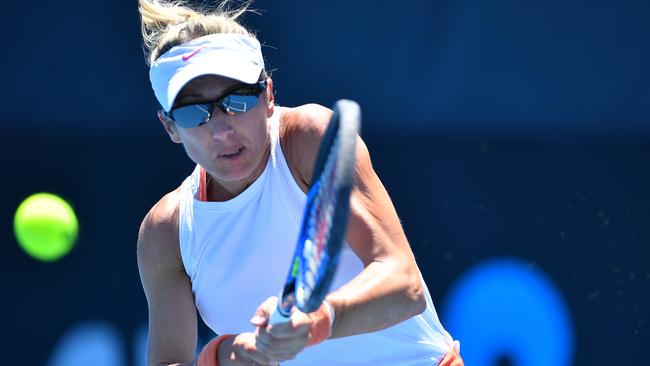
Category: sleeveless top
<point>237,253</point>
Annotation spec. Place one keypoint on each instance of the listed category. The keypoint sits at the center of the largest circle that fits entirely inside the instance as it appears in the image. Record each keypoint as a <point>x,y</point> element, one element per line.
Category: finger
<point>282,353</point>
<point>255,357</point>
<point>280,348</point>
<point>297,326</point>
<point>246,352</point>
<point>271,345</point>
<point>261,316</point>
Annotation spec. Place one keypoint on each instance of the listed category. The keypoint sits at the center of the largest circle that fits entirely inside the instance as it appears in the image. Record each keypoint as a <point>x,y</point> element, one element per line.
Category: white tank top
<point>237,253</point>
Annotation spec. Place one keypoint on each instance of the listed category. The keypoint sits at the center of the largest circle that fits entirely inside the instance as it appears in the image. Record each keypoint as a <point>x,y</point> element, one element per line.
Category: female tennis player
<point>219,244</point>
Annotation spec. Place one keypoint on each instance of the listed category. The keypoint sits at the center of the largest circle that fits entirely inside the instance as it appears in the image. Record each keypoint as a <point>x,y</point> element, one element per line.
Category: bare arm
<point>389,290</point>
<point>172,314</point>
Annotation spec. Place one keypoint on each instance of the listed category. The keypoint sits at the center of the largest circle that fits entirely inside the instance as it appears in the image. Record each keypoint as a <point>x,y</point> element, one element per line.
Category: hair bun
<point>166,24</point>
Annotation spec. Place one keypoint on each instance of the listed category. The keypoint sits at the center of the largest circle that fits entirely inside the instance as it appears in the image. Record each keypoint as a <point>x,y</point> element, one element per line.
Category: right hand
<point>241,350</point>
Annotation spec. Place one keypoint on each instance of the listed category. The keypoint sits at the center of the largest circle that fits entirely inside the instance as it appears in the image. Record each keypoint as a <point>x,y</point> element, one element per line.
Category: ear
<point>170,127</point>
<point>270,99</point>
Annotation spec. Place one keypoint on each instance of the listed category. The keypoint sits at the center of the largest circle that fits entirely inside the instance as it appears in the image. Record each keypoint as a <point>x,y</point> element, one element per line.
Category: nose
<point>220,125</point>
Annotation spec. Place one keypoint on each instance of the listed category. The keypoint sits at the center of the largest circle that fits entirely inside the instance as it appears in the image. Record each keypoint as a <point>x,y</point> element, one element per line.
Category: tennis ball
<point>45,226</point>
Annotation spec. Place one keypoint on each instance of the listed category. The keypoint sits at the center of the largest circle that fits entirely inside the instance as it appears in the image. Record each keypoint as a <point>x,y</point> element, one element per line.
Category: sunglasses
<point>237,100</point>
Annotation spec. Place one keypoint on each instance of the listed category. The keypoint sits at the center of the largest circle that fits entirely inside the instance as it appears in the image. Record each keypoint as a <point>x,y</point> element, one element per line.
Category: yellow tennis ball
<point>46,226</point>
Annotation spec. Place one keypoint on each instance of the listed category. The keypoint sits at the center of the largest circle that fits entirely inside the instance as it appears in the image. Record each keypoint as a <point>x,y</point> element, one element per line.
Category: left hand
<point>280,341</point>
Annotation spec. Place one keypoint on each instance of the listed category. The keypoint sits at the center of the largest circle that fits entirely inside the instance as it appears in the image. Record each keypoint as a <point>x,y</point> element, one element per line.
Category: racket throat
<point>286,301</point>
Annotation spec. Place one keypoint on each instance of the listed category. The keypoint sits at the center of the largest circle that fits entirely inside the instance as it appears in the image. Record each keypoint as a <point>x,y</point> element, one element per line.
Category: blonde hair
<point>170,23</point>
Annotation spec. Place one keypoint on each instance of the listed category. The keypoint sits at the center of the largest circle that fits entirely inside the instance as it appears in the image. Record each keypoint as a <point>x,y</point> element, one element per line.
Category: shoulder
<point>158,236</point>
<point>301,130</point>
<point>162,218</point>
<point>306,118</point>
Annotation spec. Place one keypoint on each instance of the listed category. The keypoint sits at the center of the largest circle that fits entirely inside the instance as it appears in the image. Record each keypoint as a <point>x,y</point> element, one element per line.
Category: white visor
<point>232,55</point>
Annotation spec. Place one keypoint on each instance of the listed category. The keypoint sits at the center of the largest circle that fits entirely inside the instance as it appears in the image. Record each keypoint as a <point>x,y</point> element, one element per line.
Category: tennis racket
<point>325,219</point>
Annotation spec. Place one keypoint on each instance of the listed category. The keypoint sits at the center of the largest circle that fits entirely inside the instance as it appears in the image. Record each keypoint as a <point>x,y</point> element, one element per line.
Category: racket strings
<point>321,221</point>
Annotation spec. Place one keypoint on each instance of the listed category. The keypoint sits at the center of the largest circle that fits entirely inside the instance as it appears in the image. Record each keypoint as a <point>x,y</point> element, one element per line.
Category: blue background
<point>500,128</point>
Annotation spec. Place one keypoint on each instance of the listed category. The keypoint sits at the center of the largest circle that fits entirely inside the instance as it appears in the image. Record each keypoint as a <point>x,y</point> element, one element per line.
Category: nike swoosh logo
<point>190,54</point>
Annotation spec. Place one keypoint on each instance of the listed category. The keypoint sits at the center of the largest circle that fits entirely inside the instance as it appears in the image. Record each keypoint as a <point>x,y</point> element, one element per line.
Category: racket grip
<point>277,317</point>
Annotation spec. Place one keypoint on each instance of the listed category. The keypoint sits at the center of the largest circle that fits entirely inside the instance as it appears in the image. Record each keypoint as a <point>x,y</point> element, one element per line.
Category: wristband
<point>209,355</point>
<point>321,324</point>
<point>331,309</point>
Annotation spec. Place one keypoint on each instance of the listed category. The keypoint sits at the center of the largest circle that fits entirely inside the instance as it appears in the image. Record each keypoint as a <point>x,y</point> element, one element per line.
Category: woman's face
<point>231,148</point>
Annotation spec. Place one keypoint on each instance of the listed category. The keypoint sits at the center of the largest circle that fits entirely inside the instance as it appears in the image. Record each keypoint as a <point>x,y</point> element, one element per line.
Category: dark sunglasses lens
<point>191,115</point>
<point>236,104</point>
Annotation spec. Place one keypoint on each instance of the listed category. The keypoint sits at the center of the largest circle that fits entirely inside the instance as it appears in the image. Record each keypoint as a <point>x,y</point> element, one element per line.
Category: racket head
<point>324,226</point>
